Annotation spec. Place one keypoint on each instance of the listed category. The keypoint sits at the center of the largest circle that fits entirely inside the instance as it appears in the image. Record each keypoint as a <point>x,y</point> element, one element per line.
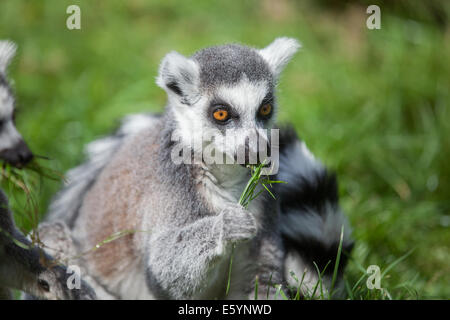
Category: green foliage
<point>259,182</point>
<point>372,104</point>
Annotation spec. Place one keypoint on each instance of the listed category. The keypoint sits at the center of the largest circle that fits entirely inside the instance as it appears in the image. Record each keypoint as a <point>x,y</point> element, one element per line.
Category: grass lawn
<point>372,104</point>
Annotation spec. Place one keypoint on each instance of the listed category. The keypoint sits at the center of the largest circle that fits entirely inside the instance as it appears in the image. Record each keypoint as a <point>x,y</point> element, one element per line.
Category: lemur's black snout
<point>18,155</point>
<point>24,153</point>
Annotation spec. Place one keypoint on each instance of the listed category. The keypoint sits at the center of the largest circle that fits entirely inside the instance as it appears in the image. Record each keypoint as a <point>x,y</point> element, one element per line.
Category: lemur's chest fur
<point>224,185</point>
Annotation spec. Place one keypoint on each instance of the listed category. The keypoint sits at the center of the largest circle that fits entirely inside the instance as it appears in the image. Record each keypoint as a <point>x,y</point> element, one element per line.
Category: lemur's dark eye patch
<point>174,87</point>
<point>266,108</point>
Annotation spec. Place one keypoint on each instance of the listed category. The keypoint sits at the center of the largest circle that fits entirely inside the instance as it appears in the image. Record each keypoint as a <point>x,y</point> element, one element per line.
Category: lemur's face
<point>53,284</point>
<point>224,96</point>
<point>12,147</point>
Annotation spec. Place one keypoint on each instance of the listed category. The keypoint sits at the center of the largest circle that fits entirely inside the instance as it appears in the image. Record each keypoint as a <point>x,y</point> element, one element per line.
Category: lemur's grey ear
<point>279,52</point>
<point>179,76</point>
<point>7,52</point>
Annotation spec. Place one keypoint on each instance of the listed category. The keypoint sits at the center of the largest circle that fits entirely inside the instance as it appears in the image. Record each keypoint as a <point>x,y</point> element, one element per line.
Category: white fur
<point>9,136</point>
<point>296,264</point>
<point>279,52</point>
<point>6,104</point>
<point>175,66</point>
<point>7,53</point>
<point>134,123</point>
<point>246,96</point>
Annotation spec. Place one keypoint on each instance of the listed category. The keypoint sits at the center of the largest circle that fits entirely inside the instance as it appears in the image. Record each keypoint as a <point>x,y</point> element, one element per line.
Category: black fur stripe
<point>287,137</point>
<point>313,192</point>
<point>313,251</point>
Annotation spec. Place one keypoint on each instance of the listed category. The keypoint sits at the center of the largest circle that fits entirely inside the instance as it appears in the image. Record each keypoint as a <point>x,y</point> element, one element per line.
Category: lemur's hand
<point>238,224</point>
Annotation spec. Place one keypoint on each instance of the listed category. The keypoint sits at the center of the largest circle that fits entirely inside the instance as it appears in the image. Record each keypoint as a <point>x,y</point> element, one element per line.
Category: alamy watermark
<point>74,280</point>
<point>374,280</point>
<point>74,20</point>
<point>236,146</point>
<point>374,20</point>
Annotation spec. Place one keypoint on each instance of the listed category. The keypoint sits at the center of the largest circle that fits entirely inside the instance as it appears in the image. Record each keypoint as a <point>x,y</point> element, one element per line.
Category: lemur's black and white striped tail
<point>67,202</point>
<point>311,219</point>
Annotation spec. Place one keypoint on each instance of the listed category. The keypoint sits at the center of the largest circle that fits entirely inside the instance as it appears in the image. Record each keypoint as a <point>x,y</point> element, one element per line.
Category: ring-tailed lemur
<point>186,215</point>
<point>24,267</point>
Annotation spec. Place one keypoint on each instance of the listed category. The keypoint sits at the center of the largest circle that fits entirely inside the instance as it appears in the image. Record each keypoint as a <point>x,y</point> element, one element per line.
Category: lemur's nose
<point>18,155</point>
<point>260,154</point>
<point>24,153</point>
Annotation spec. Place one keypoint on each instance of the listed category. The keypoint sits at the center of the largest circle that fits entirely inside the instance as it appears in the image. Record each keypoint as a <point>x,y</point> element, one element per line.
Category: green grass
<point>259,182</point>
<point>373,105</point>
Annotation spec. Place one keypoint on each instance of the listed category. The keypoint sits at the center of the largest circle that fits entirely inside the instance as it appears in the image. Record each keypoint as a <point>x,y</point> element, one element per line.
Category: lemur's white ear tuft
<point>179,77</point>
<point>279,52</point>
<point>7,52</point>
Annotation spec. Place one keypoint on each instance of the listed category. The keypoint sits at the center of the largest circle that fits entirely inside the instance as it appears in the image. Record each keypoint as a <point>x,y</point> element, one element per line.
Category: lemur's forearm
<point>180,259</point>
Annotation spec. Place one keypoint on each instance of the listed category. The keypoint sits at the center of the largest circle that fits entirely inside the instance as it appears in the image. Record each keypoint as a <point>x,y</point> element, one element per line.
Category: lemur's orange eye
<point>265,110</point>
<point>221,115</point>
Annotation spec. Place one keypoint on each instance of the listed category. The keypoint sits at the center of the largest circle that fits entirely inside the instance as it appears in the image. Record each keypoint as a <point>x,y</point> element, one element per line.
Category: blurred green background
<point>372,104</point>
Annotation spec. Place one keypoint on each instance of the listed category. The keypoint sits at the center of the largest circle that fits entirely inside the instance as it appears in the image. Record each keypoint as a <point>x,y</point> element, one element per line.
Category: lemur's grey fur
<point>66,205</point>
<point>186,216</point>
<point>24,266</point>
<point>235,60</point>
